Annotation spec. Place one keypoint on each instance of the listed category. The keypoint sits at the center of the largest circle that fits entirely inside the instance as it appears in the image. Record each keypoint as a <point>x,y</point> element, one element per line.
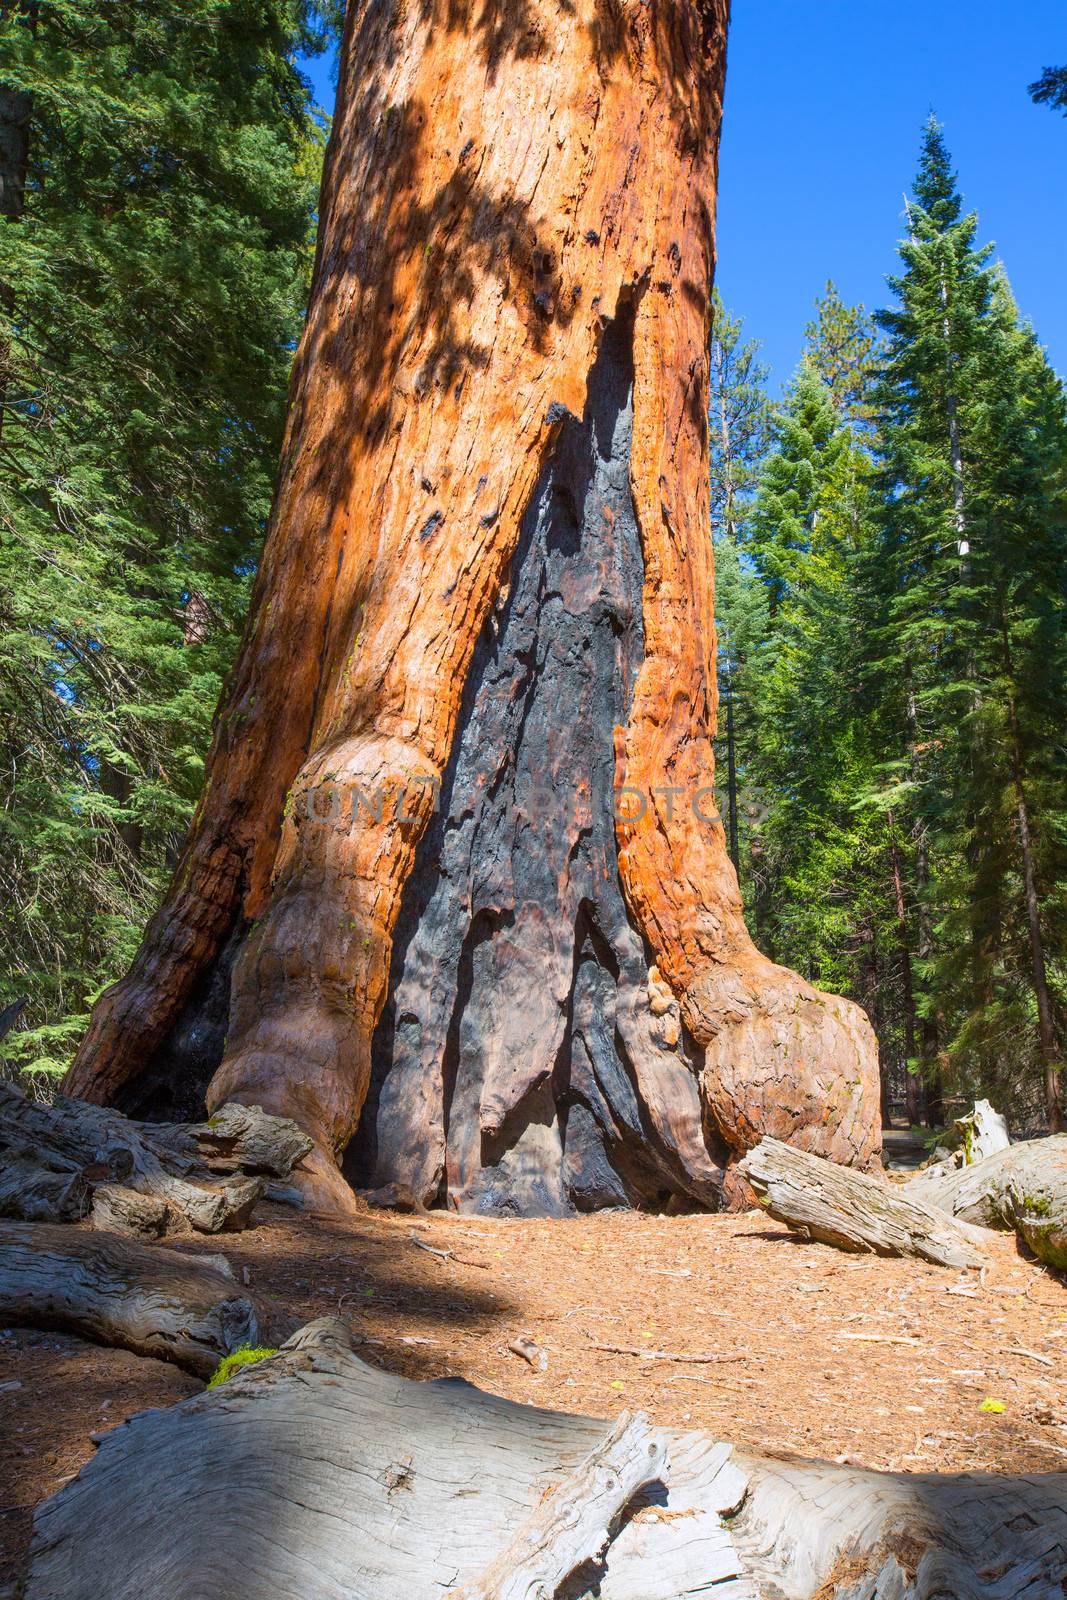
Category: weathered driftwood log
<point>1022,1188</point>
<point>984,1132</point>
<point>57,1157</point>
<point>853,1211</point>
<point>151,1300</point>
<point>314,1475</point>
<point>572,1524</point>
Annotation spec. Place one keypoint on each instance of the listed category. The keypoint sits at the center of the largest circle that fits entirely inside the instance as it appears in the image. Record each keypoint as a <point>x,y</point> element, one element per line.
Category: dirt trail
<point>885,1362</point>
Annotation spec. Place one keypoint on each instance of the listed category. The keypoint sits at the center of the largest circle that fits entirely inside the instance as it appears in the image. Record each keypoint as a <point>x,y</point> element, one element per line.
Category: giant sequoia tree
<point>453,867</point>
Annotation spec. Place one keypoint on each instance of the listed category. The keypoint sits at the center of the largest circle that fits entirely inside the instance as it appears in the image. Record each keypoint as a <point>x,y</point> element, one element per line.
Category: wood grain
<point>312,1476</point>
<point>854,1211</point>
<point>144,1298</point>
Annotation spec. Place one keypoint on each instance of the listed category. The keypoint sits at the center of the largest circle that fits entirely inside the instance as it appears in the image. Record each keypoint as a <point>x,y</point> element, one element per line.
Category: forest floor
<point>885,1363</point>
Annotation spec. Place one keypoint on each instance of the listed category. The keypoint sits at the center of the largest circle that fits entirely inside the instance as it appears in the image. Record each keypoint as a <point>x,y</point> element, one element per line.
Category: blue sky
<point>824,104</point>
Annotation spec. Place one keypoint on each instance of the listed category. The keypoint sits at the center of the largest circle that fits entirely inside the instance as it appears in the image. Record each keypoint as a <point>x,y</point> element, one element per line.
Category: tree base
<point>489,569</point>
<point>528,1061</point>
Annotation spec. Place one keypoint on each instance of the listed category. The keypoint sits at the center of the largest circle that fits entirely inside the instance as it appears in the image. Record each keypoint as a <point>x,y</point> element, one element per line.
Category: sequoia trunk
<point>458,860</point>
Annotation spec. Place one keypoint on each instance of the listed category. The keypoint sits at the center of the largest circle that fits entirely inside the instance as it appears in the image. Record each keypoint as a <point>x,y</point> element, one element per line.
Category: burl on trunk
<point>457,865</point>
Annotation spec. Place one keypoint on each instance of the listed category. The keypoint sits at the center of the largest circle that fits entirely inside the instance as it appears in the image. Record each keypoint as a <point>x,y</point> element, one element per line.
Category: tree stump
<point>984,1132</point>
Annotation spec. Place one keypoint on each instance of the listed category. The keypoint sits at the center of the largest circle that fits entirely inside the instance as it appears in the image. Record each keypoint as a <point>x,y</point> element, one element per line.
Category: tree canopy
<point>155,269</point>
<point>899,591</point>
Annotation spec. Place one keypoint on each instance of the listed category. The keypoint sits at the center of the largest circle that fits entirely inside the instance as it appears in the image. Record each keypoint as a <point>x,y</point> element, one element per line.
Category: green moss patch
<point>246,1355</point>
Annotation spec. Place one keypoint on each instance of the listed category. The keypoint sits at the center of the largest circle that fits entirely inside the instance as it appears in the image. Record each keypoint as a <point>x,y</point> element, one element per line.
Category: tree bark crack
<point>514,957</point>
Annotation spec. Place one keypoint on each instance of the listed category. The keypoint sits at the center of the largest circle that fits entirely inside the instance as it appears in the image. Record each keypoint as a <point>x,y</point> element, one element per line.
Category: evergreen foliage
<point>970,565</point>
<point>739,429</point>
<point>841,344</point>
<point>900,597</point>
<point>1051,89</point>
<point>154,272</point>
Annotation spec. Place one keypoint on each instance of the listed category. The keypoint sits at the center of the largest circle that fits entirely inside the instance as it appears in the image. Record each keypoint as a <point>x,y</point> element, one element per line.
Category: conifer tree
<point>970,554</point>
<point>739,419</point>
<point>161,204</point>
<point>808,448</point>
<point>842,345</point>
<point>819,896</point>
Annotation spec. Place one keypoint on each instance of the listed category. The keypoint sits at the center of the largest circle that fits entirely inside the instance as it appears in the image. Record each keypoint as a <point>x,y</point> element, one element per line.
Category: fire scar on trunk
<point>519,1065</point>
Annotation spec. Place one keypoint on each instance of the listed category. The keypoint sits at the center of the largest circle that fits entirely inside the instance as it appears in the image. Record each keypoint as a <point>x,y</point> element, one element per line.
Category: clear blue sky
<point>824,104</point>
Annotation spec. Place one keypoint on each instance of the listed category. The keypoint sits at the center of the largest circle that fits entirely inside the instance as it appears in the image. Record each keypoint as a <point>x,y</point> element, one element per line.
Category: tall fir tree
<point>739,419</point>
<point>160,205</point>
<point>970,554</point>
<point>819,895</point>
<point>808,448</point>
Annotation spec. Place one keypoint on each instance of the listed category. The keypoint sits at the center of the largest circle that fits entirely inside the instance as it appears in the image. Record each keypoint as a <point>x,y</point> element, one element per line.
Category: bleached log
<point>312,1475</point>
<point>984,1132</point>
<point>572,1524</point>
<point>1023,1188</point>
<point>199,1174</point>
<point>848,1209</point>
<point>151,1300</point>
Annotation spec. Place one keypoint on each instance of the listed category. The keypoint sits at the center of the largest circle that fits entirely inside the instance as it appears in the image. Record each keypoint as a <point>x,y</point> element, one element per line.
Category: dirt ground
<point>885,1363</point>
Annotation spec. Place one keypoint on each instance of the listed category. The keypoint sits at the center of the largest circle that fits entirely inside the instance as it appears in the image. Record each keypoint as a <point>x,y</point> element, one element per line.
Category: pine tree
<point>739,417</point>
<point>155,266</point>
<point>809,446</point>
<point>843,347</point>
<point>818,897</point>
<point>969,557</point>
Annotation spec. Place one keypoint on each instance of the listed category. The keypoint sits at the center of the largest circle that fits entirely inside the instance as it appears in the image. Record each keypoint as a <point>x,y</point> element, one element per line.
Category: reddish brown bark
<point>515,261</point>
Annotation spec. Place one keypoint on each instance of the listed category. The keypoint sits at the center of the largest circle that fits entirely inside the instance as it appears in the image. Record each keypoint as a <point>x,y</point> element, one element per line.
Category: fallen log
<point>1022,1188</point>
<point>209,1177</point>
<point>313,1474</point>
<point>37,1183</point>
<point>151,1300</point>
<point>848,1209</point>
<point>117,1209</point>
<point>572,1524</point>
<point>236,1138</point>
